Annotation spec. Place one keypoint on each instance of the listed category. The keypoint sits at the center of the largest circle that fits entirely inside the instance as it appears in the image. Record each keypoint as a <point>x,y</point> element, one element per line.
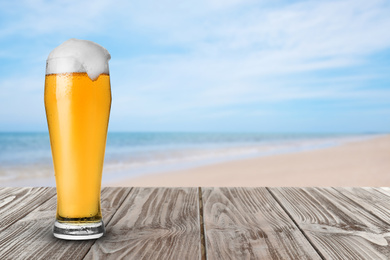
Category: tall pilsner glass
<point>77,111</point>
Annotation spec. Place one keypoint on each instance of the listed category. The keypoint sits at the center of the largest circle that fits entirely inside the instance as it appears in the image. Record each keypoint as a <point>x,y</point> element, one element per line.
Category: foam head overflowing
<point>78,56</point>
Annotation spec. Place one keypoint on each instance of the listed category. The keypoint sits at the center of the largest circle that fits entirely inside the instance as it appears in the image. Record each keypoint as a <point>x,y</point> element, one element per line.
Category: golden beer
<point>77,111</point>
<point>78,103</point>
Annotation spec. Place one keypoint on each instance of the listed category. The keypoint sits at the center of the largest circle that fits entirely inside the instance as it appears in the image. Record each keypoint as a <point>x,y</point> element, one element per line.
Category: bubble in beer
<point>79,56</point>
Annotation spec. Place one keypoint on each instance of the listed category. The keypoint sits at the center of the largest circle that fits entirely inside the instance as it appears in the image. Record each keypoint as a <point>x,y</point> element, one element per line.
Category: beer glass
<point>77,111</point>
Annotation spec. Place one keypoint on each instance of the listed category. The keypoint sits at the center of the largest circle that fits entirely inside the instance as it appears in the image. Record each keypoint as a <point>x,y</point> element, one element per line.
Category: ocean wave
<point>126,157</point>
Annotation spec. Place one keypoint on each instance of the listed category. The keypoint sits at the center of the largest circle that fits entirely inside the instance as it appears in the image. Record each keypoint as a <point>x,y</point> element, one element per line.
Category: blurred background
<point>196,83</point>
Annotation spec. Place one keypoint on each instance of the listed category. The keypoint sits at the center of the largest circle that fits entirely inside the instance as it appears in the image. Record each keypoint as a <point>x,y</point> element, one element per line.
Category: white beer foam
<point>78,56</point>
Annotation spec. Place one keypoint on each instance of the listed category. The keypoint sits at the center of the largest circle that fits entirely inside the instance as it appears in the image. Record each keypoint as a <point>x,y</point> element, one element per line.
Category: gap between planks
<point>106,224</point>
<point>34,237</point>
<point>203,248</point>
<point>247,222</point>
<point>354,202</point>
<point>295,223</point>
<point>153,223</point>
<point>339,227</point>
<point>49,192</point>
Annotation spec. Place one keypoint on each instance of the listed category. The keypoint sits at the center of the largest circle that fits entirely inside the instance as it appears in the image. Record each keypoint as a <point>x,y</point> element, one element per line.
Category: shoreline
<point>195,158</point>
<point>357,163</point>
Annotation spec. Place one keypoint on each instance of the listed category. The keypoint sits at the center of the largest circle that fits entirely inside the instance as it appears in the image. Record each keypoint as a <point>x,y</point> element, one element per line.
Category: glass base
<point>78,231</point>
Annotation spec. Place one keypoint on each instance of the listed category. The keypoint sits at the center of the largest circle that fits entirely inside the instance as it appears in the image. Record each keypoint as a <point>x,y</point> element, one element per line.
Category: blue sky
<point>253,66</point>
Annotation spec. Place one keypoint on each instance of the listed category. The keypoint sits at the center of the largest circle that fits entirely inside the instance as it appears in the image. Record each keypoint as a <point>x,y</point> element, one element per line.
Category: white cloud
<point>38,17</point>
<point>220,55</point>
<point>232,55</point>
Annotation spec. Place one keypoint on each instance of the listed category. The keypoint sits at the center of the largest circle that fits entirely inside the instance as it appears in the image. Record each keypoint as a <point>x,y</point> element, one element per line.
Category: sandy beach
<point>360,163</point>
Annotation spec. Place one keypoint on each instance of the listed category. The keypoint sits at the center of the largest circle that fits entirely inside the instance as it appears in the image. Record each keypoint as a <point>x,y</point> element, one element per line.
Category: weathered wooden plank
<point>385,190</point>
<point>337,226</point>
<point>15,203</point>
<point>4,189</point>
<point>373,200</point>
<point>31,237</point>
<point>248,223</point>
<point>153,223</point>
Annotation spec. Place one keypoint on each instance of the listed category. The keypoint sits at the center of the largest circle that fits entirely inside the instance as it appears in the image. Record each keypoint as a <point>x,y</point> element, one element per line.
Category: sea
<point>25,158</point>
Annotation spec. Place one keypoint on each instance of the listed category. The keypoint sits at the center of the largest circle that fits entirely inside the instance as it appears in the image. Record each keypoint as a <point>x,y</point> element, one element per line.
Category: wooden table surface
<point>206,223</point>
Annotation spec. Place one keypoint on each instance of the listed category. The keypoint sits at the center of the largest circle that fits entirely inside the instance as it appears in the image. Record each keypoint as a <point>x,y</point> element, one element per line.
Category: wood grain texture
<point>153,223</point>
<point>374,200</point>
<point>15,203</point>
<point>31,237</point>
<point>340,228</point>
<point>5,190</point>
<point>384,190</point>
<point>247,223</point>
